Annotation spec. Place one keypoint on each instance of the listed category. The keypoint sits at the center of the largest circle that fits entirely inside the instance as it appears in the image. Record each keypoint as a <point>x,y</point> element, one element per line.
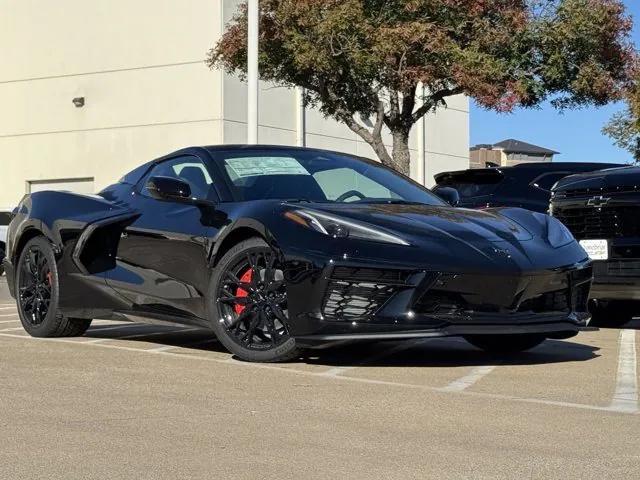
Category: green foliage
<point>624,127</point>
<point>371,57</point>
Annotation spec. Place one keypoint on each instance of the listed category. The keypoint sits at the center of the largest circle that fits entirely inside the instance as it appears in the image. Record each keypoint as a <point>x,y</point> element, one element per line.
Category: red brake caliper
<point>241,292</point>
<point>49,278</point>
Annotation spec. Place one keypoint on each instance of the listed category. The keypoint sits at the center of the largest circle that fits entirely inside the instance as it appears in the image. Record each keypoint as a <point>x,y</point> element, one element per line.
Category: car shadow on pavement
<point>450,352</point>
<point>437,352</point>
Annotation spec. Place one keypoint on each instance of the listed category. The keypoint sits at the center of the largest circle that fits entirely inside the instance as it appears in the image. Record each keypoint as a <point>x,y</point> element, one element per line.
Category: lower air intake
<point>358,293</point>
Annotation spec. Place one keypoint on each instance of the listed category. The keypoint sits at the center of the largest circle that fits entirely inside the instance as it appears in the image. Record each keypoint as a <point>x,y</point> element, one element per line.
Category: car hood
<point>452,239</point>
<point>435,221</point>
<point>602,179</point>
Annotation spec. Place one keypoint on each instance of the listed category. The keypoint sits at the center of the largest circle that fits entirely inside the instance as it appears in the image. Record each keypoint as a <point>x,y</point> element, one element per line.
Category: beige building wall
<point>140,66</point>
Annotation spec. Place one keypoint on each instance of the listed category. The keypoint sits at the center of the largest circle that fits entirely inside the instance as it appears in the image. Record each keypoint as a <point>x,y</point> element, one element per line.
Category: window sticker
<point>256,166</point>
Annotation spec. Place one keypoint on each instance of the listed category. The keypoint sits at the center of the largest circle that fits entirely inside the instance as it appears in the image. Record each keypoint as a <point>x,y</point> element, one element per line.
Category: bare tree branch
<point>434,100</point>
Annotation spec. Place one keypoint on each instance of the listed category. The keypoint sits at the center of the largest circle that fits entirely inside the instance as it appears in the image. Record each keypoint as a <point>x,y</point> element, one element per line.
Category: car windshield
<point>317,176</point>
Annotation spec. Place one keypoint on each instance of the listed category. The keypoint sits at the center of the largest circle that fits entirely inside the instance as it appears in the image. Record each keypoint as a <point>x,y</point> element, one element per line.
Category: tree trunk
<point>401,157</point>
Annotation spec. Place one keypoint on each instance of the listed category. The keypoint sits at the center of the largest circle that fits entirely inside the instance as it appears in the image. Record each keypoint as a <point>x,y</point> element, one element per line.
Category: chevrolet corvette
<point>278,249</point>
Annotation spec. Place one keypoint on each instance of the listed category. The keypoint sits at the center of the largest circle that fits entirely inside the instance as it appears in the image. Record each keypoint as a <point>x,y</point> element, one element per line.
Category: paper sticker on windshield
<point>255,166</point>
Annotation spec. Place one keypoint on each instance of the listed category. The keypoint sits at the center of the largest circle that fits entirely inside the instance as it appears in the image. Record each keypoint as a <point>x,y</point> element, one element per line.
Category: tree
<point>371,58</point>
<point>624,127</point>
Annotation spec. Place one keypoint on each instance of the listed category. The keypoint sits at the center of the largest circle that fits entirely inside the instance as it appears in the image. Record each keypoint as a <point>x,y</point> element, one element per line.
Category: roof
<point>517,146</point>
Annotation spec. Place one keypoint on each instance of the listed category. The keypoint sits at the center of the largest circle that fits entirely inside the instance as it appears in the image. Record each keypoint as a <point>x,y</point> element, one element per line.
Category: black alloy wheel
<point>34,286</point>
<point>250,303</point>
<point>37,289</point>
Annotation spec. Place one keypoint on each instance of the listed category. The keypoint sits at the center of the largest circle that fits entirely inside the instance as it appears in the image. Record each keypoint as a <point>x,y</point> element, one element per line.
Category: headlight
<point>337,227</point>
<point>557,234</point>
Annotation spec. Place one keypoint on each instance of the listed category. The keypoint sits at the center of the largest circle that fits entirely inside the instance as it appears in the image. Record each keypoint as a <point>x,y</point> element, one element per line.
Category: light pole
<point>253,30</point>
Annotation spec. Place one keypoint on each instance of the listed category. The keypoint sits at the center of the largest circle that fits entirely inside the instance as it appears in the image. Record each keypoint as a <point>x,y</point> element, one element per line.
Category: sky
<point>576,134</point>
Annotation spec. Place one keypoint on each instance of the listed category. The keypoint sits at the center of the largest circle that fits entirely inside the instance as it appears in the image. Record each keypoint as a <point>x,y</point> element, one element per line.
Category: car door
<point>162,257</point>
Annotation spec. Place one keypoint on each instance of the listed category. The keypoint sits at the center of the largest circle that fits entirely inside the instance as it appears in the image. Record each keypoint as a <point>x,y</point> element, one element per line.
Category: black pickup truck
<point>527,185</point>
<point>602,210</point>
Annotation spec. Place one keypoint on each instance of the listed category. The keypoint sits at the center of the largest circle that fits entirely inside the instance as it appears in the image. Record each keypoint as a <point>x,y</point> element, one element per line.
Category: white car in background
<point>5,218</point>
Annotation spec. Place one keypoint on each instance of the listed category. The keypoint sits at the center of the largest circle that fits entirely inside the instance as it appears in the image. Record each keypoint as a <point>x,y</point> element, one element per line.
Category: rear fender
<point>70,222</point>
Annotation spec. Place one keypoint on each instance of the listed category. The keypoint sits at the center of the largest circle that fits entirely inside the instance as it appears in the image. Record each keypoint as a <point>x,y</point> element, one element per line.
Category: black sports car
<point>276,249</point>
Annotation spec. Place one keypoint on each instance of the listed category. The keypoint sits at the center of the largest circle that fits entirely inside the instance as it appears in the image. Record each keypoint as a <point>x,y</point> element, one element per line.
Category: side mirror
<point>448,194</point>
<point>167,188</point>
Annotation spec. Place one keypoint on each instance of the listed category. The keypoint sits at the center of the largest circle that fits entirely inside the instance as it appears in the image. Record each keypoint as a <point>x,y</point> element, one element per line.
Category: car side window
<point>188,169</point>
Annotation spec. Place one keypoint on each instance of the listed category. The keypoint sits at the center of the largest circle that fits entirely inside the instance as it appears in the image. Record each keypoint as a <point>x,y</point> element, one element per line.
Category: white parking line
<point>625,398</point>
<point>5,315</point>
<point>231,361</point>
<point>10,321</point>
<point>8,307</point>
<point>470,379</point>
<point>11,329</point>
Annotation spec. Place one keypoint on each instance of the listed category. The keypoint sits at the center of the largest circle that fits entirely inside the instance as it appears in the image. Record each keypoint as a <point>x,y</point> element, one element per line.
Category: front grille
<point>624,268</point>
<point>358,293</point>
<point>600,223</point>
<point>455,294</point>
<point>449,303</point>
<point>585,192</point>
<point>547,302</point>
<point>436,302</point>
<point>580,296</point>
<point>378,275</point>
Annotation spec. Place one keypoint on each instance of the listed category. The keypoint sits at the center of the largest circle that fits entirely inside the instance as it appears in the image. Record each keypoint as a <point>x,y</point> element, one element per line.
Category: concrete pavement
<point>144,402</point>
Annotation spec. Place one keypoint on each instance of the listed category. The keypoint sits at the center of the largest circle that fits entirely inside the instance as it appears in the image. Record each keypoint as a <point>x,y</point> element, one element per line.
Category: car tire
<point>610,314</point>
<point>505,343</point>
<point>37,292</point>
<point>251,322</point>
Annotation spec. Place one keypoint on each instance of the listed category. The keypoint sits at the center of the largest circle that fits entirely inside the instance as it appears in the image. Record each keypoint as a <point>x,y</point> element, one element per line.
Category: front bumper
<point>350,302</point>
<point>559,329</point>
<point>616,279</point>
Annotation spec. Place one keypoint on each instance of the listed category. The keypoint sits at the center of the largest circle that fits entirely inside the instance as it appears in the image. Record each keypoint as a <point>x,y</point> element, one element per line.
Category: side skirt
<point>154,318</point>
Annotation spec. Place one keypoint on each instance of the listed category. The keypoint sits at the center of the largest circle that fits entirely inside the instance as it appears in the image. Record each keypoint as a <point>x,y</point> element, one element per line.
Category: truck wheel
<point>611,314</point>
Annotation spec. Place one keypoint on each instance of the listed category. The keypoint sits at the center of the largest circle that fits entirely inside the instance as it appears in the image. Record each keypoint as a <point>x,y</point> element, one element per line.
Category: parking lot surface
<point>148,402</point>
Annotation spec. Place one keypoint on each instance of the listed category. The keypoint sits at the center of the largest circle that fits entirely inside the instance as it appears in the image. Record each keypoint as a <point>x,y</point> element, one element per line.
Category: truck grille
<point>600,223</point>
<point>616,268</point>
<point>586,192</point>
